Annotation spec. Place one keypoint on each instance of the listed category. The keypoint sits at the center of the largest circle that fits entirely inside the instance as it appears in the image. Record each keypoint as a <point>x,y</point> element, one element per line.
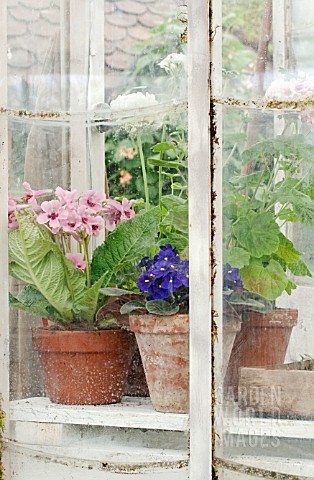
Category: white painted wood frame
<point>86,88</point>
<point>4,290</point>
<point>199,240</point>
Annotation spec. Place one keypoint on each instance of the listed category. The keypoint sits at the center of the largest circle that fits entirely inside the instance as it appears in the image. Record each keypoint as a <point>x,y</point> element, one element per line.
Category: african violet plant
<point>49,251</point>
<point>164,282</point>
<point>259,258</point>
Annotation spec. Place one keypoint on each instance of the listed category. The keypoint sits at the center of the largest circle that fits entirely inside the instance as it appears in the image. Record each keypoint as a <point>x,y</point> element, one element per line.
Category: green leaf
<point>127,243</point>
<point>288,215</point>
<point>85,308</point>
<point>257,233</point>
<point>177,218</point>
<point>172,201</point>
<point>163,163</point>
<point>132,305</point>
<point>163,147</point>
<point>289,147</point>
<point>37,261</point>
<point>32,301</point>
<point>161,307</point>
<point>177,240</point>
<point>237,257</point>
<point>286,250</point>
<point>269,281</point>
<point>291,286</point>
<point>115,292</point>
<point>299,269</point>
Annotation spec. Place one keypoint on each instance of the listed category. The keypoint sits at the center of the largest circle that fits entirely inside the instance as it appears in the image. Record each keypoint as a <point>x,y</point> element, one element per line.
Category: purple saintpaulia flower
<point>231,277</point>
<point>164,274</point>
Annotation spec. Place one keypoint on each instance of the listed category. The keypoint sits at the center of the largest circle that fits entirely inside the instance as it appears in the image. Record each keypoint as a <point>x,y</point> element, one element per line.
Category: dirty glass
<point>265,112</point>
<point>97,102</point>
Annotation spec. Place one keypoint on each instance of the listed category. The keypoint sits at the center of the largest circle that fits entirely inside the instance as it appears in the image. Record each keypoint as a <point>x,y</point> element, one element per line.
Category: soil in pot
<point>136,384</point>
<point>164,346</point>
<point>84,367</point>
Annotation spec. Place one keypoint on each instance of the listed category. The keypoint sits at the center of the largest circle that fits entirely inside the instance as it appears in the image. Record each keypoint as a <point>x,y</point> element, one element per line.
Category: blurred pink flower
<point>127,152</point>
<point>31,194</point>
<point>52,214</point>
<point>77,259</point>
<point>115,212</point>
<point>67,197</point>
<point>93,200</point>
<point>125,177</point>
<point>13,224</point>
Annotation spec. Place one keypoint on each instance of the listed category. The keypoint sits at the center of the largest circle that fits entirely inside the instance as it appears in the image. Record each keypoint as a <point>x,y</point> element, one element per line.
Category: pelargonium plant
<point>50,251</point>
<point>165,283</point>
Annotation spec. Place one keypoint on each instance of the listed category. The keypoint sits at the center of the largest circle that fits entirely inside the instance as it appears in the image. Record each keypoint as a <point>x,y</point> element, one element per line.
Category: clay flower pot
<point>84,367</point>
<point>263,340</point>
<point>164,347</point>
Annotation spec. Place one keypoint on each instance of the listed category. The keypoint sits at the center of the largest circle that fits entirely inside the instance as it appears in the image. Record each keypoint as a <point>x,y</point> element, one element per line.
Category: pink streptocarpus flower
<point>115,212</point>
<point>53,214</point>
<point>93,200</point>
<point>77,259</point>
<point>89,222</point>
<point>67,197</point>
<point>96,225</point>
<point>72,222</point>
<point>31,194</point>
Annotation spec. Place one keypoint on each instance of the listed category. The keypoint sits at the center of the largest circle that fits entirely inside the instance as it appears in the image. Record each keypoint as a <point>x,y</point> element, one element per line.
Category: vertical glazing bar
<point>4,291</point>
<point>96,91</point>
<point>279,35</point>
<point>78,75</point>
<point>216,111</point>
<point>199,250</point>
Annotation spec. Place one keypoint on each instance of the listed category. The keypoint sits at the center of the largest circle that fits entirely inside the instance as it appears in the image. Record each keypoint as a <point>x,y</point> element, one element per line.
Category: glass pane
<point>265,113</point>
<point>98,206</point>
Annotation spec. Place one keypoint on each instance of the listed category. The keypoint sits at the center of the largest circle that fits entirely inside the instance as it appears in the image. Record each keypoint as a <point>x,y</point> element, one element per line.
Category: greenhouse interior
<point>157,192</point>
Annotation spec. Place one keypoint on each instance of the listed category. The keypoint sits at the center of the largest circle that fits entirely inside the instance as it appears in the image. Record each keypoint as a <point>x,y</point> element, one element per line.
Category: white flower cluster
<point>133,100</point>
<point>173,61</point>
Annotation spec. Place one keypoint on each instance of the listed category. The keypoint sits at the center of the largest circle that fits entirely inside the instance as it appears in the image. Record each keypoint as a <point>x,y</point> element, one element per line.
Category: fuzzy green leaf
<point>132,305</point>
<point>252,301</point>
<point>257,233</point>
<point>161,307</point>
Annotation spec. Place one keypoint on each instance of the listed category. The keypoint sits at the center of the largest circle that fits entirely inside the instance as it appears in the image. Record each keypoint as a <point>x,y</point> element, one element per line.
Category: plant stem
<point>163,135</point>
<point>140,151</point>
<point>86,257</point>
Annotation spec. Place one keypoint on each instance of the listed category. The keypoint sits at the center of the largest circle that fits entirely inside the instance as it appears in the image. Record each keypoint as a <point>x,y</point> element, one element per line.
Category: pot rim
<point>159,324</point>
<point>68,341</point>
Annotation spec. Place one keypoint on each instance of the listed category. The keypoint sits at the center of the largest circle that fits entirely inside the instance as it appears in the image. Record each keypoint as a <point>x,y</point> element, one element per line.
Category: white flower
<point>172,61</point>
<point>133,100</point>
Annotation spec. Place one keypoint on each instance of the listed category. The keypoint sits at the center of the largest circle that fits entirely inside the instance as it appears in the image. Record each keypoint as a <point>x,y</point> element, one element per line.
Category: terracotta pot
<point>164,347</point>
<point>230,329</point>
<point>84,367</point>
<point>263,340</point>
